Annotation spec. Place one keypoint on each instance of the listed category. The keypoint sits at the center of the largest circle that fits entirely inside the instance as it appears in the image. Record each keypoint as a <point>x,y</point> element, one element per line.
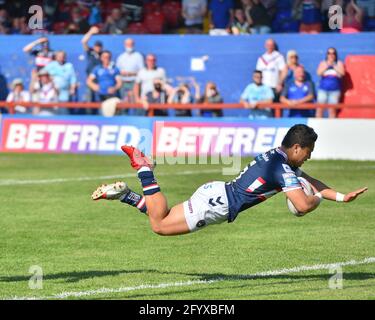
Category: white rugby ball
<point>306,187</point>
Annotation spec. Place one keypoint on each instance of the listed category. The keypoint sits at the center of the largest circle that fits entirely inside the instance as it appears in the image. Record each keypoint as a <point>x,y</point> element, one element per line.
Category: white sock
<point>143,169</point>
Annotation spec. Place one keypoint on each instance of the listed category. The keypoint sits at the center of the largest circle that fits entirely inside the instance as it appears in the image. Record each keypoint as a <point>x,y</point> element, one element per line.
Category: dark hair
<point>106,51</point>
<point>336,54</point>
<point>300,134</point>
<point>259,72</point>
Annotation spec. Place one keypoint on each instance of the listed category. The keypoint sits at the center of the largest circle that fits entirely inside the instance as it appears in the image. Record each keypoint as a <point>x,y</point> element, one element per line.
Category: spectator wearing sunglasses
<point>331,71</point>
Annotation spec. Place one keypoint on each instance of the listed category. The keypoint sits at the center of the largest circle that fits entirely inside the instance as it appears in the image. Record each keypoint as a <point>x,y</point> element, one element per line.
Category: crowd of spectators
<point>136,78</point>
<point>216,17</point>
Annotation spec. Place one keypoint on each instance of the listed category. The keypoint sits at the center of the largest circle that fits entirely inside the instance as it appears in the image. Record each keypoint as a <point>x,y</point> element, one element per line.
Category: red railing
<point>277,107</point>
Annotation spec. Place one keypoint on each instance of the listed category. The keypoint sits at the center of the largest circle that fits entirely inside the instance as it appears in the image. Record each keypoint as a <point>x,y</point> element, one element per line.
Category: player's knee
<point>158,229</point>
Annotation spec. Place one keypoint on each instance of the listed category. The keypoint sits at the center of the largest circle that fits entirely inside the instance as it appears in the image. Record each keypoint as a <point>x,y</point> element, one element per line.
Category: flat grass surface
<point>49,220</point>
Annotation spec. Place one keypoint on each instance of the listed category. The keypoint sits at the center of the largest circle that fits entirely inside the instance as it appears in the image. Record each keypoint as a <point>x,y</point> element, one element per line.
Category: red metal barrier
<point>123,105</point>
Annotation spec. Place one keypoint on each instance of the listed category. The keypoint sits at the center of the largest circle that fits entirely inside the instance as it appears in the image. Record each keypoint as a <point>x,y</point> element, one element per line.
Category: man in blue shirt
<point>215,202</point>
<point>105,79</point>
<point>64,78</point>
<point>256,93</point>
<point>298,92</point>
<point>221,16</point>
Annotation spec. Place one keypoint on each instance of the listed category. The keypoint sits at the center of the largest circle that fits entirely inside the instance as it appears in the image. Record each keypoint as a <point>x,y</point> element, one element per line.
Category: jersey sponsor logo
<point>290,180</point>
<point>287,168</point>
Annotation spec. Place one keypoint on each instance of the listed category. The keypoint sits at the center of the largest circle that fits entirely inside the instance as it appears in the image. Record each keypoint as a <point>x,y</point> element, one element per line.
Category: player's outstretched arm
<point>331,194</point>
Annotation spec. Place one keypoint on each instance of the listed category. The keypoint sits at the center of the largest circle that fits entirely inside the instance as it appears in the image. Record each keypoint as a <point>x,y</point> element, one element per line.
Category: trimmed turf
<point>83,245</point>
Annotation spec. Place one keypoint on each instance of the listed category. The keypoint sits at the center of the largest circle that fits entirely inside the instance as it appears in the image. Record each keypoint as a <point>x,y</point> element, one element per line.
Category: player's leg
<point>208,205</point>
<point>163,221</point>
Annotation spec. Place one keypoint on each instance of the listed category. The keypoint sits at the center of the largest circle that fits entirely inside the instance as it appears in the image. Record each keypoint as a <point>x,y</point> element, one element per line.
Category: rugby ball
<point>306,187</point>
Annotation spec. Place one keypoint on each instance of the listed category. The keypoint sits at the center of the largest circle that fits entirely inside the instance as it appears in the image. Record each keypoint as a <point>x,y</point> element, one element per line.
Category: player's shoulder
<point>276,160</point>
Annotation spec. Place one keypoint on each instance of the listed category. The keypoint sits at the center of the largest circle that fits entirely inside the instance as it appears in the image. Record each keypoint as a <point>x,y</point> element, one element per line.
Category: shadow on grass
<point>76,276</point>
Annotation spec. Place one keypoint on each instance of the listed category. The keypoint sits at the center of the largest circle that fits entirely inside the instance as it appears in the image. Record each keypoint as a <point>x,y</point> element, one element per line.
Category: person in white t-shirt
<point>18,94</point>
<point>144,83</point>
<point>271,64</point>
<point>193,11</point>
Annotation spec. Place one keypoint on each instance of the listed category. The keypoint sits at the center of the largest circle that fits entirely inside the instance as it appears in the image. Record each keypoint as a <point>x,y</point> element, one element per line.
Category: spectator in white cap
<point>18,94</point>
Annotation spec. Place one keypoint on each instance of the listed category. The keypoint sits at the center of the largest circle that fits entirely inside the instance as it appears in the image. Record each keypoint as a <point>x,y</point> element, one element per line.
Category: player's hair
<point>300,134</point>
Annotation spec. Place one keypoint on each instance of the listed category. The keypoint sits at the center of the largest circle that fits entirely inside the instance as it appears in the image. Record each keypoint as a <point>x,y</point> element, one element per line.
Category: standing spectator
<point>19,26</point>
<point>271,64</point>
<point>105,79</point>
<point>95,16</point>
<point>331,71</point>
<point>129,63</point>
<point>193,11</point>
<point>144,82</point>
<point>77,23</point>
<point>43,90</point>
<point>157,95</point>
<point>64,77</point>
<point>18,94</point>
<point>221,16</point>
<point>258,17</point>
<point>353,18</point>
<point>256,93</point>
<point>292,62</point>
<point>298,92</point>
<point>311,18</point>
<point>211,95</point>
<point>93,58</point>
<point>50,9</point>
<point>43,56</point>
<point>240,25</point>
<point>116,22</point>
<point>183,95</point>
<point>5,22</point>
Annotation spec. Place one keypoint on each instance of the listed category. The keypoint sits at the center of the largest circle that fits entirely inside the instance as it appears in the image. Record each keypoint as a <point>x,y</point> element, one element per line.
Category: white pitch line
<point>73,179</point>
<point>264,274</point>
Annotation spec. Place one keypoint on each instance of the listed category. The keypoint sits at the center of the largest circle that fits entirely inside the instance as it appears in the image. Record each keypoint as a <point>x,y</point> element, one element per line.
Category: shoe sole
<point>100,194</point>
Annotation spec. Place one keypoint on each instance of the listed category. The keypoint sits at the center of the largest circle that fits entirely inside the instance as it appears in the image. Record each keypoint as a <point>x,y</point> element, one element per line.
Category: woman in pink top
<point>353,18</point>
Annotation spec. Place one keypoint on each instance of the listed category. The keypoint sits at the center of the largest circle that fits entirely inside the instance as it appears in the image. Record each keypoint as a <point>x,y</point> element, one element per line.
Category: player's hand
<point>353,195</point>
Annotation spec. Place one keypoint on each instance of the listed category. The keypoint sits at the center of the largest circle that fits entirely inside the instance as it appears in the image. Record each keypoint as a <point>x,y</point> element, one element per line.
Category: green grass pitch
<point>49,220</point>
